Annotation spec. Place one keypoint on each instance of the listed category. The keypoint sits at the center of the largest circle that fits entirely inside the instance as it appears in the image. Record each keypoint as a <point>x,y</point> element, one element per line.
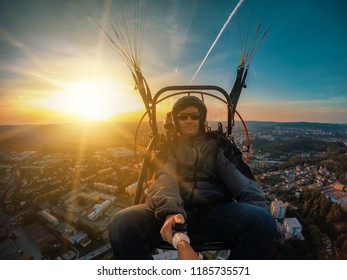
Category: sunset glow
<point>58,65</point>
<point>91,99</point>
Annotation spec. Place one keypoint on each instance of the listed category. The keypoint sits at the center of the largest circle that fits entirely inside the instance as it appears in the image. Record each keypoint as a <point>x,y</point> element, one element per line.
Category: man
<point>199,185</point>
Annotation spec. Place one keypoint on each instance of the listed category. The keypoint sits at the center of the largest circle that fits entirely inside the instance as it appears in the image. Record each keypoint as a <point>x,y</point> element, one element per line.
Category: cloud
<point>329,110</point>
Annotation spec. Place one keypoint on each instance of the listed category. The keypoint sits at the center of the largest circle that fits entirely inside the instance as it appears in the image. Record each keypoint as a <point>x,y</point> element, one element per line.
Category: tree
<point>315,240</point>
<point>343,250</point>
<point>335,214</point>
<point>324,205</point>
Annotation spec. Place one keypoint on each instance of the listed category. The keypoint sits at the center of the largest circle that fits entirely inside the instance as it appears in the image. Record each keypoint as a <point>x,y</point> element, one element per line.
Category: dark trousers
<point>248,230</point>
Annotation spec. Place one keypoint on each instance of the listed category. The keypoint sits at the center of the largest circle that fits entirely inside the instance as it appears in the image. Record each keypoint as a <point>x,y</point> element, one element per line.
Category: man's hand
<point>166,230</point>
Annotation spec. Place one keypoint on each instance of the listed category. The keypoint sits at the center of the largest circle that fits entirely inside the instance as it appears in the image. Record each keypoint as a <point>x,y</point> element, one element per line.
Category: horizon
<point>96,135</point>
<point>88,122</point>
<point>56,67</point>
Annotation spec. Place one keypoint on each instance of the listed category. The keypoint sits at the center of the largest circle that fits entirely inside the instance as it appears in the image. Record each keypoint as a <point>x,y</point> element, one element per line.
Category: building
<point>292,229</point>
<point>99,209</point>
<point>131,189</point>
<point>48,217</point>
<point>65,228</point>
<point>85,241</point>
<point>105,171</point>
<point>338,186</point>
<point>278,209</point>
<point>89,178</point>
<point>88,196</point>
<point>106,187</point>
<point>118,152</point>
<point>69,255</point>
<point>289,228</point>
<point>80,238</point>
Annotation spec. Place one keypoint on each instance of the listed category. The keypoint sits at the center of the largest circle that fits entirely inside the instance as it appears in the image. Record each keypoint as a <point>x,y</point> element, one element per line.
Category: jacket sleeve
<point>241,188</point>
<point>164,195</point>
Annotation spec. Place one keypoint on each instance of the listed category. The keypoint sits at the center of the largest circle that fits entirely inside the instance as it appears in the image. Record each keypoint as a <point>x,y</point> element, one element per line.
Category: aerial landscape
<point>299,164</point>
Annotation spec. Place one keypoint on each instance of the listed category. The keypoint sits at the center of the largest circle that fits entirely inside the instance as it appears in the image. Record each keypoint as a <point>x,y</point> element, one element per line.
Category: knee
<point>115,221</point>
<point>132,221</point>
<point>264,221</point>
<point>118,223</point>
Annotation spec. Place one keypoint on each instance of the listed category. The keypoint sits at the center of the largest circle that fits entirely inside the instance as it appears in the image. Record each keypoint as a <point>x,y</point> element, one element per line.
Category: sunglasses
<point>184,116</point>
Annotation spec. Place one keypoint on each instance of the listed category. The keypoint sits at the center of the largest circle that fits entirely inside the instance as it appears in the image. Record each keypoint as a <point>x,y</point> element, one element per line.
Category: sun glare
<point>93,100</point>
<point>90,100</point>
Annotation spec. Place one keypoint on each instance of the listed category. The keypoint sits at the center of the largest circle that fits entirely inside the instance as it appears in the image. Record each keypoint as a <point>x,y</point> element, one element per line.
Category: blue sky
<point>51,52</point>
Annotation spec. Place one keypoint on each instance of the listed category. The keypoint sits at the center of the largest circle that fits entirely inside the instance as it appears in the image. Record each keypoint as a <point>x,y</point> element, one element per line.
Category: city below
<point>61,184</point>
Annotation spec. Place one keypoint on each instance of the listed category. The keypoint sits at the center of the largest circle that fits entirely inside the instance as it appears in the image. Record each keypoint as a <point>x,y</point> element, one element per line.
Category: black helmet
<point>187,101</point>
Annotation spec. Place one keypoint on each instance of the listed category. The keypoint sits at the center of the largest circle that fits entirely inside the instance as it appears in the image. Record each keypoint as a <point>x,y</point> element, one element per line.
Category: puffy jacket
<point>197,174</point>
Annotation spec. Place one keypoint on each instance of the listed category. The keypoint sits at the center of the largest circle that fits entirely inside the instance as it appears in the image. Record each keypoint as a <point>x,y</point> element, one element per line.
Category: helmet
<point>187,101</point>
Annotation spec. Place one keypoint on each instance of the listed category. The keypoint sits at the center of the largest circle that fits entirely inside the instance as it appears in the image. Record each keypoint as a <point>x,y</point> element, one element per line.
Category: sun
<point>93,99</point>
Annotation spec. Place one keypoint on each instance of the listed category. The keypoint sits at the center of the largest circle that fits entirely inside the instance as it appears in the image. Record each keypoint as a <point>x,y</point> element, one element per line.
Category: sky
<point>57,66</point>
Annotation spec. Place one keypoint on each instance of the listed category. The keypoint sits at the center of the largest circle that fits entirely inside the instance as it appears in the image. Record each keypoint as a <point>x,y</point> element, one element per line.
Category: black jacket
<point>196,173</point>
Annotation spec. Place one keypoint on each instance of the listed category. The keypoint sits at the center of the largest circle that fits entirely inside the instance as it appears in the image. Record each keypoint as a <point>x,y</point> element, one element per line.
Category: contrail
<point>215,41</point>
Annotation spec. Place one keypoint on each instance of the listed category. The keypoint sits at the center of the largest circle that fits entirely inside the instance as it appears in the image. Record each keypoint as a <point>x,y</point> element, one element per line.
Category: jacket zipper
<point>195,175</point>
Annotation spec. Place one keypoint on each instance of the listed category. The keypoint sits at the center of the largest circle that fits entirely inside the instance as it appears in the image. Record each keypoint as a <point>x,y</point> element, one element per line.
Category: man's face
<point>189,121</point>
